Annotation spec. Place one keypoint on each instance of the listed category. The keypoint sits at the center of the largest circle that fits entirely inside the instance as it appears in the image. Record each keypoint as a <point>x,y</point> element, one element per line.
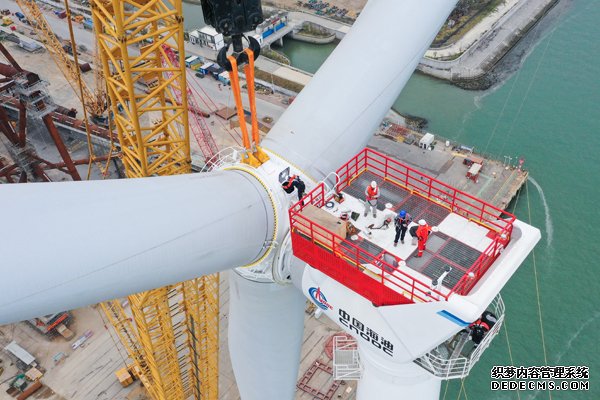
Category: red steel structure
<point>196,120</point>
<point>27,163</point>
<point>344,261</point>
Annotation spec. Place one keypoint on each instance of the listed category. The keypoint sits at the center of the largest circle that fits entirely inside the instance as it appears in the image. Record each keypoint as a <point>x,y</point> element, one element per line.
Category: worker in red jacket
<point>421,234</point>
<point>482,326</point>
<point>294,182</point>
<point>371,196</point>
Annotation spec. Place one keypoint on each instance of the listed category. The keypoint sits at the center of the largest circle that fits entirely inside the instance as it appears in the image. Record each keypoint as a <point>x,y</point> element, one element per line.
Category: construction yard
<point>84,367</point>
<point>353,7</point>
<point>88,372</point>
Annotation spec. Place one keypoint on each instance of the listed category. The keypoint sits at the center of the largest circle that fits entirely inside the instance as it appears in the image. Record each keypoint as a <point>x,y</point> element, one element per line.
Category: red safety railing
<point>445,195</point>
<point>425,186</point>
<point>365,273</point>
<point>382,283</point>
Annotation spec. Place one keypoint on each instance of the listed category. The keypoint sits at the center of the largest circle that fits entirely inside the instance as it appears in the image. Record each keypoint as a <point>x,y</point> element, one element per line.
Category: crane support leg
<point>22,124</point>
<point>6,127</point>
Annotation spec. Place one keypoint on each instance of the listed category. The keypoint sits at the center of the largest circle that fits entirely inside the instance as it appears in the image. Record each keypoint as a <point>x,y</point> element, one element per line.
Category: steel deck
<point>468,234</point>
<point>441,251</point>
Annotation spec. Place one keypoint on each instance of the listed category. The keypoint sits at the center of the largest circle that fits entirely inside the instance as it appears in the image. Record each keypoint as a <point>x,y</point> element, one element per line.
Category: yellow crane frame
<point>94,102</point>
<point>151,126</point>
<point>173,334</point>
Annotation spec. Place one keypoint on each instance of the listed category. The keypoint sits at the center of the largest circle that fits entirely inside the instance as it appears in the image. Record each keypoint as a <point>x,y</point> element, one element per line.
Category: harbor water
<point>546,110</point>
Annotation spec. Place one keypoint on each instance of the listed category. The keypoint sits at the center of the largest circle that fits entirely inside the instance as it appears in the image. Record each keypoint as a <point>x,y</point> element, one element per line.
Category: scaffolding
<point>346,360</point>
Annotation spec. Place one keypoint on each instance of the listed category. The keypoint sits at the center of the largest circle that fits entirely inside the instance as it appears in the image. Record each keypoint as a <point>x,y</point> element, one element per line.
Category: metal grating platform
<point>346,360</point>
<point>467,233</point>
<point>368,246</point>
<point>436,266</point>
<point>400,198</point>
<point>364,244</point>
<point>459,253</point>
<point>442,251</point>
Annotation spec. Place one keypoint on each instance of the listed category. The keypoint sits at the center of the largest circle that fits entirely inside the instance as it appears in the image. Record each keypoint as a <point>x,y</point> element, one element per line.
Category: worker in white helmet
<point>371,196</point>
<point>420,234</point>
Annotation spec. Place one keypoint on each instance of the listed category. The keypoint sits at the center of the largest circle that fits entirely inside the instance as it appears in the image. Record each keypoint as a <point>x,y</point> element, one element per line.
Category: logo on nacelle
<point>319,298</point>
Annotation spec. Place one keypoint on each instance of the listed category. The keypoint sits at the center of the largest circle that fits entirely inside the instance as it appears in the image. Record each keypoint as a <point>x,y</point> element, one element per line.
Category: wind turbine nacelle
<point>399,334</point>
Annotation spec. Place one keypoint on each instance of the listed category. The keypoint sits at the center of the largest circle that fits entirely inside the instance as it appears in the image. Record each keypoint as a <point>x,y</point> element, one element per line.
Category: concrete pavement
<point>492,45</point>
<point>475,33</point>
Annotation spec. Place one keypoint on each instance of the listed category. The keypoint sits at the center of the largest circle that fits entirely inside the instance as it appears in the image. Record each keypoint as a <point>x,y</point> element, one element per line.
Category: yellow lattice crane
<point>171,333</point>
<point>93,100</point>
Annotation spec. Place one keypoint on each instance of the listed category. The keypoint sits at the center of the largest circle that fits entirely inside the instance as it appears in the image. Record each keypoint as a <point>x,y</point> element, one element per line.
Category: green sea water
<point>192,16</point>
<point>547,111</point>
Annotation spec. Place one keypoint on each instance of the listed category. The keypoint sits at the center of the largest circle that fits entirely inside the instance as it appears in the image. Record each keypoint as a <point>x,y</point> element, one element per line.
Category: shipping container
<point>224,77</point>
<point>191,61</point>
<point>204,68</point>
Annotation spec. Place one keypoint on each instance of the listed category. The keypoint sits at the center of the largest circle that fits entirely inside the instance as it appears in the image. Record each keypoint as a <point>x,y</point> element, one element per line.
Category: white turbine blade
<point>266,323</point>
<point>70,244</point>
<point>338,111</point>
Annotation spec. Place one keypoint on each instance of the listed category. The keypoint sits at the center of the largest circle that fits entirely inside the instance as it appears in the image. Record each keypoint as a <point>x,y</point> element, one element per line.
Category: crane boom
<point>174,340</point>
<point>94,103</point>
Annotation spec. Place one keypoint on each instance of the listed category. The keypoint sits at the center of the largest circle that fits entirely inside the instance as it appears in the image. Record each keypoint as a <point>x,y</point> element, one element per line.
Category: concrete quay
<point>478,51</point>
<point>486,44</point>
<point>468,59</point>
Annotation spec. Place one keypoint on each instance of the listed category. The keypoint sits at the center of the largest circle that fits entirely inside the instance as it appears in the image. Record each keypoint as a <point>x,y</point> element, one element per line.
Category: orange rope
<point>249,71</point>
<point>235,86</point>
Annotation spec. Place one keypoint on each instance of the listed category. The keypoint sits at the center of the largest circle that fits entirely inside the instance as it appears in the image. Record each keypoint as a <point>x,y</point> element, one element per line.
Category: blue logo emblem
<point>319,298</point>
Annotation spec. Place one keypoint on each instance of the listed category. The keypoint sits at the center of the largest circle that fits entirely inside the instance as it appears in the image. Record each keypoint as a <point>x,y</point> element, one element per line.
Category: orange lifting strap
<point>249,72</point>
<point>254,154</point>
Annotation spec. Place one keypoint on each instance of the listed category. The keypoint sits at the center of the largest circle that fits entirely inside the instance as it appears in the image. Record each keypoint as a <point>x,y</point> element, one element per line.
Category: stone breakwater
<point>472,68</point>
